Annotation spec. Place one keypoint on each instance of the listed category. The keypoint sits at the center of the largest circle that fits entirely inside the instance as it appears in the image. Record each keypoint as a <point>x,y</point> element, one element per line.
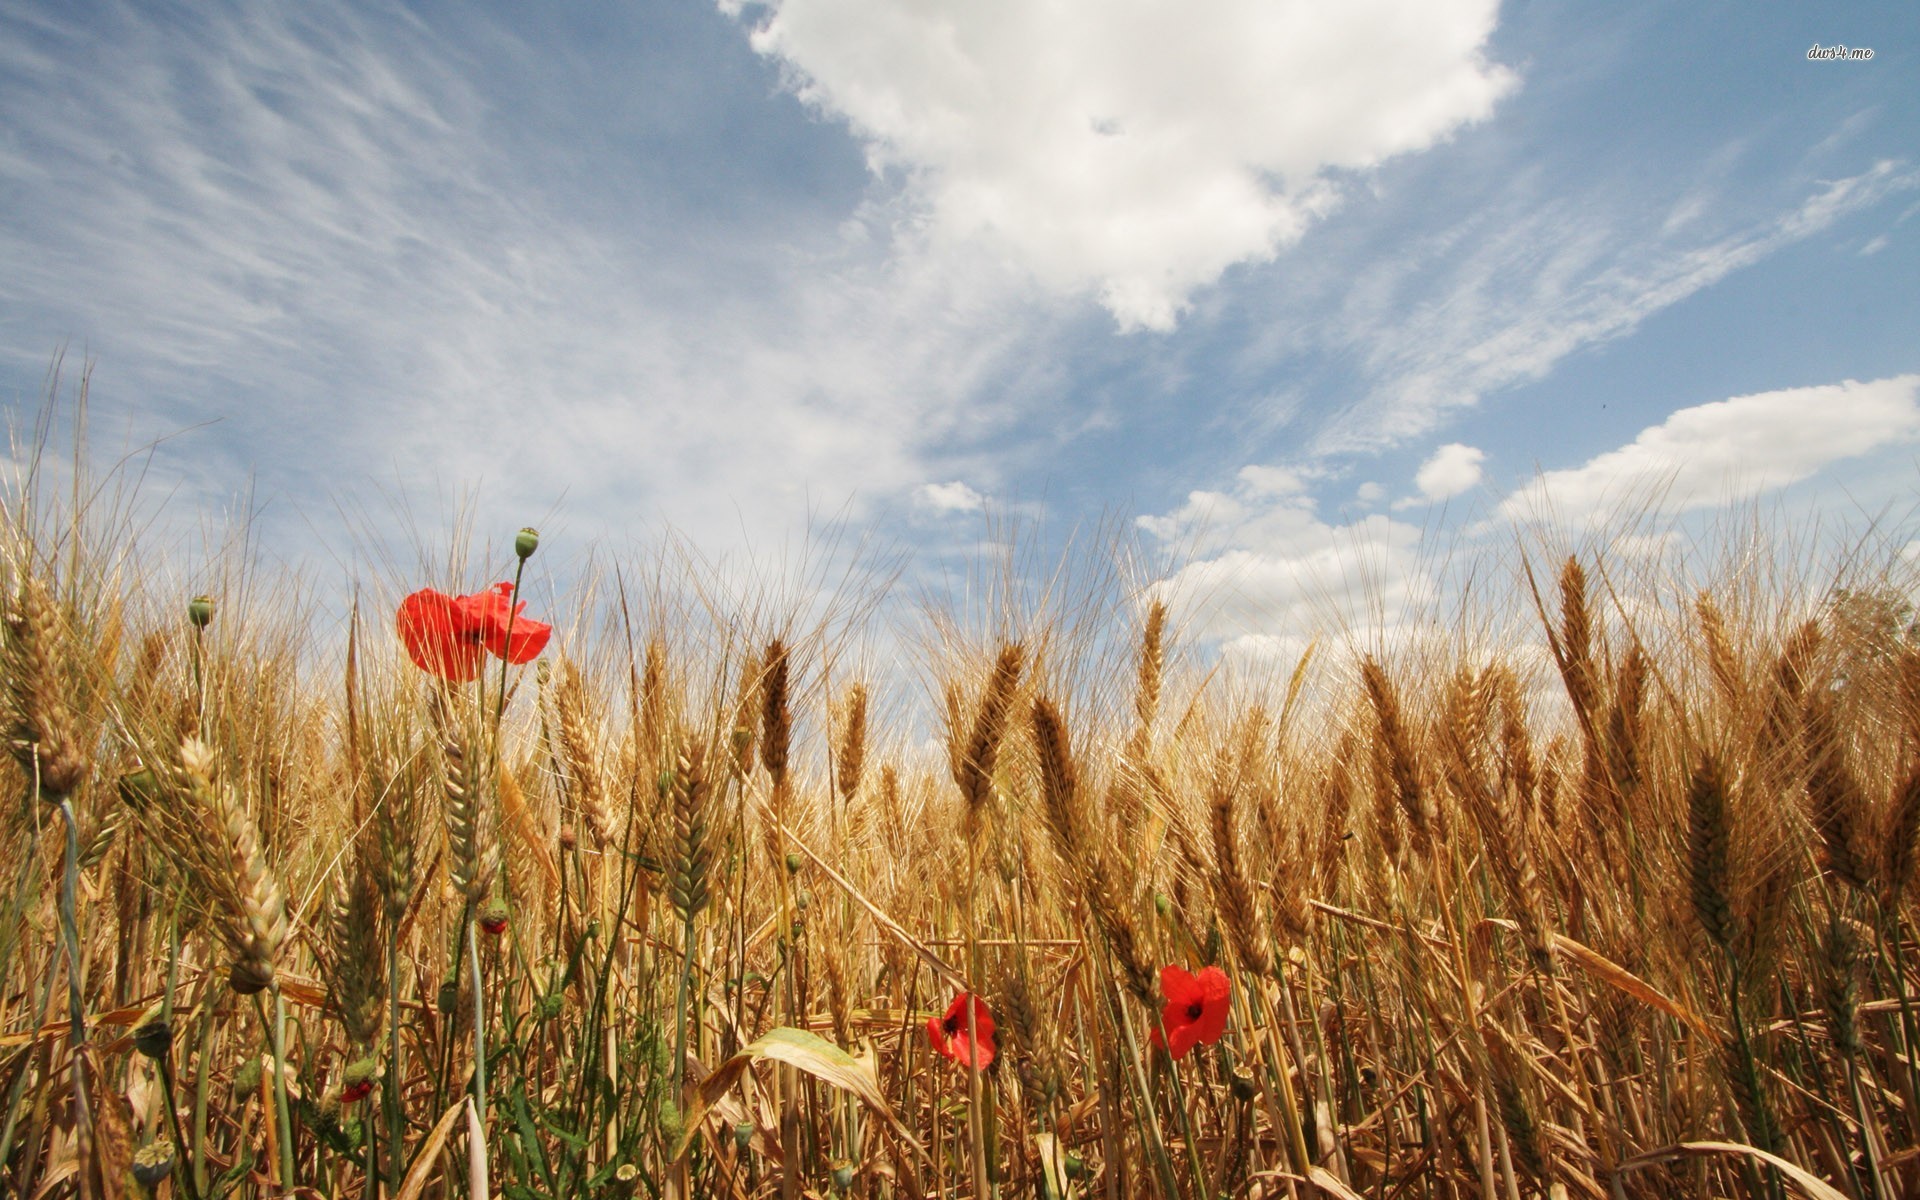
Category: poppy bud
<point>548,1006</point>
<point>153,1036</point>
<point>200,611</point>
<point>248,976</point>
<point>138,788</point>
<point>1161,904</point>
<point>449,997</point>
<point>804,900</point>
<point>842,1176</point>
<point>793,863</point>
<point>493,916</point>
<point>526,542</point>
<point>1076,1166</point>
<point>742,1135</point>
<point>356,1082</point>
<point>246,1080</point>
<point>152,1163</point>
<point>672,1122</point>
<point>1242,1084</point>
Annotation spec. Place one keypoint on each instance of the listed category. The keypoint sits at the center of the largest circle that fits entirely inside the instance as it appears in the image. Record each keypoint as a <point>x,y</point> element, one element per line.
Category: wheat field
<point>663,906</point>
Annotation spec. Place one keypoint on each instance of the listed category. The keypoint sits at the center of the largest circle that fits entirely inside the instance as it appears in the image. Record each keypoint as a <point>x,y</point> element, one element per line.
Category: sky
<point>1305,300</point>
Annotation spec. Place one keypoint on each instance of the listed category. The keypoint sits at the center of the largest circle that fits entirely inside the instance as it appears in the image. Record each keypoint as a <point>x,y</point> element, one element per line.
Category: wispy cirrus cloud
<point>305,226</point>
<point>1503,298</point>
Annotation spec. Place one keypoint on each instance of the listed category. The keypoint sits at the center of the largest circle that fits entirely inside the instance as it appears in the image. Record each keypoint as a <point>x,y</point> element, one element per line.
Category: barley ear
<point>981,751</point>
<point>1709,851</point>
<point>776,718</point>
<point>39,725</point>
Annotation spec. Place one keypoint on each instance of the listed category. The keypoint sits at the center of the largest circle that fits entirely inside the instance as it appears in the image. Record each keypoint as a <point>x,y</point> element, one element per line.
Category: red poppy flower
<point>353,1093</point>
<point>1196,1010</point>
<point>447,634</point>
<point>950,1037</point>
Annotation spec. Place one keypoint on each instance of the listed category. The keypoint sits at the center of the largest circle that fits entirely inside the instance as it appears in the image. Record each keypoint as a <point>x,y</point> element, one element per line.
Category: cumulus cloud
<point>1729,450</point>
<point>1135,152</point>
<point>1265,573</point>
<point>949,497</point>
<point>1453,469</point>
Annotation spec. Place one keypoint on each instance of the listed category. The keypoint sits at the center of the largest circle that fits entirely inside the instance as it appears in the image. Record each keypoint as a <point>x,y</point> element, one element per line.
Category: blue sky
<point>1305,296</point>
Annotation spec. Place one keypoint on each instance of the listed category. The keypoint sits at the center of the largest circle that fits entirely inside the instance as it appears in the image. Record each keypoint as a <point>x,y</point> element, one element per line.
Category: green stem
<point>680,1013</point>
<point>76,1009</point>
<point>500,701</point>
<point>201,1081</point>
<point>18,1091</point>
<point>173,1122</point>
<point>390,1086</point>
<point>277,1036</point>
<point>479,1024</point>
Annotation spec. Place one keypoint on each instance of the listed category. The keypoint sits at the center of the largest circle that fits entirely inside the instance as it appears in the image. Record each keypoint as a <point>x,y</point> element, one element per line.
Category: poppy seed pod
<point>526,542</point>
<point>1243,1085</point>
<point>153,1036</point>
<point>200,611</point>
<point>152,1163</point>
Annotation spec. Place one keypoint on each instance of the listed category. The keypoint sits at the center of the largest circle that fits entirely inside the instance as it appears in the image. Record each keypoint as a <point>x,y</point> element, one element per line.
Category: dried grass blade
<point>1805,1180</point>
<point>422,1169</point>
<point>934,962</point>
<point>1626,981</point>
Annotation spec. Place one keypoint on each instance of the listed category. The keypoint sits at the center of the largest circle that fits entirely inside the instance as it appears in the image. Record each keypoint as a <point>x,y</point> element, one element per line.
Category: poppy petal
<point>1181,1038</point>
<point>528,640</point>
<point>1215,1006</point>
<point>437,635</point>
<point>1179,986</point>
<point>973,1049</point>
<point>496,612</point>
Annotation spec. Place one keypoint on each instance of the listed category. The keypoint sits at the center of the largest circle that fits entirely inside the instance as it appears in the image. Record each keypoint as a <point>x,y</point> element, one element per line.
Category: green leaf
<point>529,1136</point>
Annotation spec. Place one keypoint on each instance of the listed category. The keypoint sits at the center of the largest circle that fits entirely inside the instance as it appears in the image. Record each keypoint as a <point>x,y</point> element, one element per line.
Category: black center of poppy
<point>1193,1011</point>
<point>951,1025</point>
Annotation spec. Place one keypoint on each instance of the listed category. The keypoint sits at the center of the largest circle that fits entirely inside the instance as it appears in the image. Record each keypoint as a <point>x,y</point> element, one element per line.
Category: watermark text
<point>1833,53</point>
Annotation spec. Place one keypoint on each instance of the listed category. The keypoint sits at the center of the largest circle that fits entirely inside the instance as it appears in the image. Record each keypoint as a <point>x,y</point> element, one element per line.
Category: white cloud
<point>1453,469</point>
<point>1727,451</point>
<point>1134,151</point>
<point>949,497</point>
<point>1264,573</point>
